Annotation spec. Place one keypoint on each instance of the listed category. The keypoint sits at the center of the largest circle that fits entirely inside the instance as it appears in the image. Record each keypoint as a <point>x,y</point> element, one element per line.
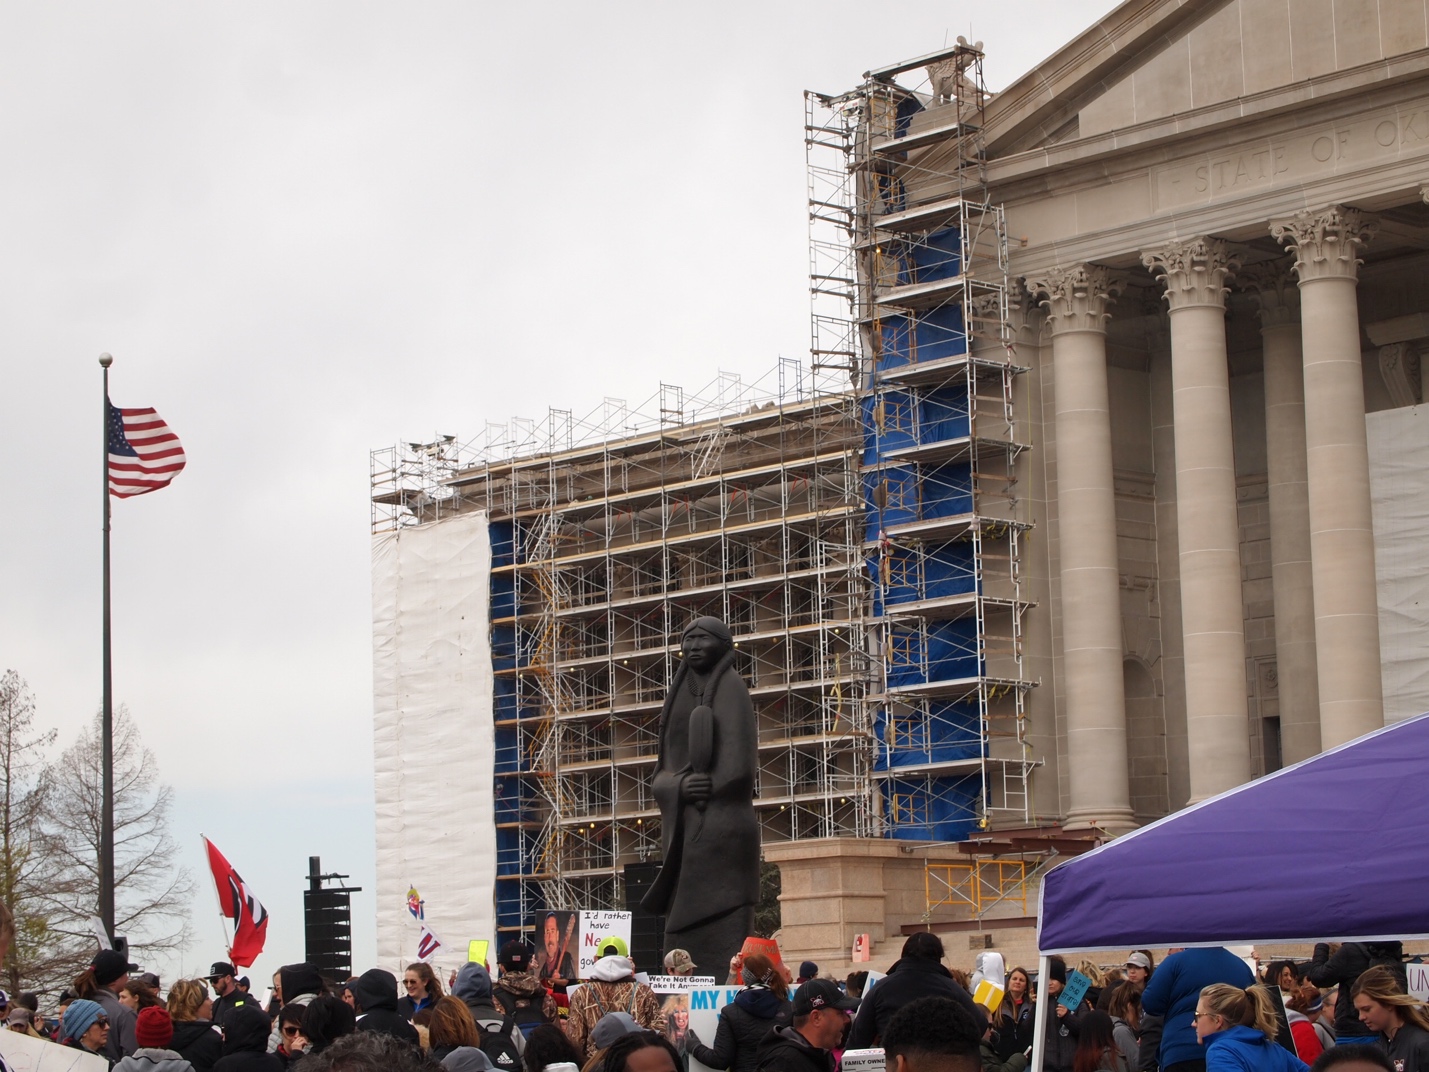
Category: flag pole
<point>106,822</point>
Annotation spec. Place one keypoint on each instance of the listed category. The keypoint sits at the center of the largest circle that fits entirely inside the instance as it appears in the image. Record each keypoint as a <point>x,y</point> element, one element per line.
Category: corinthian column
<point>1076,304</point>
<point>1212,611</point>
<point>1326,247</point>
<point>1289,510</point>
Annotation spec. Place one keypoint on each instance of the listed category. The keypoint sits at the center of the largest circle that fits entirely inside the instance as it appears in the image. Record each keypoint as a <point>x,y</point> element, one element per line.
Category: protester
<point>325,1020</point>
<point>196,1038</point>
<point>934,1034</point>
<point>366,1051</point>
<point>376,995</point>
<point>762,1005</point>
<point>138,995</point>
<point>245,1041</point>
<point>296,984</point>
<point>992,1060</point>
<point>1321,1012</point>
<point>1016,1016</point>
<point>917,973</point>
<point>1124,1008</point>
<point>1139,968</point>
<point>21,1021</point>
<point>451,1026</point>
<point>641,1051</point>
<point>473,987</point>
<point>610,988</point>
<point>222,976</point>
<point>85,1027</point>
<point>1395,1016</point>
<point>807,970</point>
<point>1237,1027</point>
<point>423,988</point>
<point>1308,1046</point>
<point>678,962</point>
<point>820,1018</point>
<point>1173,993</point>
<point>1353,1058</point>
<point>294,1043</point>
<point>548,1045</point>
<point>1097,1049</point>
<point>1063,1023</point>
<point>1341,968</point>
<point>856,983</point>
<point>101,983</point>
<point>467,1059</point>
<point>153,1034</point>
<point>519,993</point>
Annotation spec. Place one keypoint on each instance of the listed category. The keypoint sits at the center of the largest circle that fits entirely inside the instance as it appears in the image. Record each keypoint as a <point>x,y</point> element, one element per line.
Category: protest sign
<point>26,1054</point>
<point>988,994</point>
<point>864,1060</point>
<point>1418,975</point>
<point>768,946</point>
<point>703,1004</point>
<point>476,950</point>
<point>679,984</point>
<point>1074,990</point>
<point>597,928</point>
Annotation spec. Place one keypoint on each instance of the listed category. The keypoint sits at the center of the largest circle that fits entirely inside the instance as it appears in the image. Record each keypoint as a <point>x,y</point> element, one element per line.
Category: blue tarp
<point>1332,848</point>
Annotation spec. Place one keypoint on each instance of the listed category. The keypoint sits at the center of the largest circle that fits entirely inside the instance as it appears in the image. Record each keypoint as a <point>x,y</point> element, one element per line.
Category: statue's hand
<point>698,788</point>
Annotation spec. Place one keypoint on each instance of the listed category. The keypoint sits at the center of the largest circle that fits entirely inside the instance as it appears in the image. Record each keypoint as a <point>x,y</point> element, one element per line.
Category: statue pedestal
<point>835,888</point>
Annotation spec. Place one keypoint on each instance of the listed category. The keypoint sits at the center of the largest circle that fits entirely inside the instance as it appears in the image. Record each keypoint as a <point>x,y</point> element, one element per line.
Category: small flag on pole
<point>144,454</point>
<point>415,904</point>
<point>428,944</point>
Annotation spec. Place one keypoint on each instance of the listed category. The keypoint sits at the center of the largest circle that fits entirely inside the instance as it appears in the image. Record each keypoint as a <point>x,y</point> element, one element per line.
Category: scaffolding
<point>608,536</point>
<point>908,276</point>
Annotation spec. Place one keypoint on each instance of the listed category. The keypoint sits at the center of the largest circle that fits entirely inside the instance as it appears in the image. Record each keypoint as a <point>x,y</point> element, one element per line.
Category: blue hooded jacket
<point>1246,1049</point>
<point>1174,989</point>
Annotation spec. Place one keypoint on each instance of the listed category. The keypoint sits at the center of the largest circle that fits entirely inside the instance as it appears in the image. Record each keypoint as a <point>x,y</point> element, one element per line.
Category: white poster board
<point>595,928</point>
<point>697,1008</point>
<point>1418,975</point>
<point>26,1054</point>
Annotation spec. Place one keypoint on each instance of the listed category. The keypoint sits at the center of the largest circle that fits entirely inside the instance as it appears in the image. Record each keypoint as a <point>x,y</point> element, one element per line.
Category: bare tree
<point>151,890</point>
<point>38,957</point>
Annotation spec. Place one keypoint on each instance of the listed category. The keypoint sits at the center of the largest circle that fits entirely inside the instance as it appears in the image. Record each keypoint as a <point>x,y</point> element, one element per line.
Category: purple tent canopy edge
<point>1334,848</point>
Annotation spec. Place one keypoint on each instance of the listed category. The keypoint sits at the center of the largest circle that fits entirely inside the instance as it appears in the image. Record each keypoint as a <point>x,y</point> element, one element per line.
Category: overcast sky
<point>306,230</point>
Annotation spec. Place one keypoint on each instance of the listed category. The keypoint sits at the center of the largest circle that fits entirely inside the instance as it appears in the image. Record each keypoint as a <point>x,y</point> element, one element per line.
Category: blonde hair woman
<point>1238,1028</point>
<point>1384,1007</point>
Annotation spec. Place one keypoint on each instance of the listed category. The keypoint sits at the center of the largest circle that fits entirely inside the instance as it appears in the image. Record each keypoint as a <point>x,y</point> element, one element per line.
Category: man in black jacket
<point>376,995</point>
<point>1341,969</point>
<point>918,973</point>
<point>820,1016</point>
<point>932,1035</point>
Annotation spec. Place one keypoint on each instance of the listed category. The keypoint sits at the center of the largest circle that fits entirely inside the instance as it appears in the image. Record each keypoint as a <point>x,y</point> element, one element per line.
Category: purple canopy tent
<point>1248,866</point>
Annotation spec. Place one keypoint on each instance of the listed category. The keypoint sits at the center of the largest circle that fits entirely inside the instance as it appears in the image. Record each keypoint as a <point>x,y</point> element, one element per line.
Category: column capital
<point>1077,297</point>
<point>1326,244</point>
<point>1278,296</point>
<point>1194,271</point>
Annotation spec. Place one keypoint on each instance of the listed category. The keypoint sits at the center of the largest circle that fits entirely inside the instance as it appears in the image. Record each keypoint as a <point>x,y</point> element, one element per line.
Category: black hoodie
<point>197,1042</point>
<point>245,1043</point>
<point>1349,962</point>
<point>376,995</point>
<point>785,1050</point>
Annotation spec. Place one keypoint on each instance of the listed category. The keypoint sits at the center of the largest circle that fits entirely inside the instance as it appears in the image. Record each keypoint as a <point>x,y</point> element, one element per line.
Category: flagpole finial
<point>105,360</point>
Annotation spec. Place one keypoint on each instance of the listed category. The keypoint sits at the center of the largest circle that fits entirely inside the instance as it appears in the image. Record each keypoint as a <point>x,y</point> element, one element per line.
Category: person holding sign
<point>708,883</point>
<point>1063,1027</point>
<point>762,1004</point>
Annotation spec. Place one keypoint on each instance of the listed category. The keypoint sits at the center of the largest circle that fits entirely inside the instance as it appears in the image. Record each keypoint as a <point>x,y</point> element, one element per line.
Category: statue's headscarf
<point>713,626</point>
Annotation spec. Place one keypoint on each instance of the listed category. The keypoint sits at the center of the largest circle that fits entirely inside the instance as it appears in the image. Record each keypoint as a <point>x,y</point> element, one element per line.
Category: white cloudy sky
<point>306,230</point>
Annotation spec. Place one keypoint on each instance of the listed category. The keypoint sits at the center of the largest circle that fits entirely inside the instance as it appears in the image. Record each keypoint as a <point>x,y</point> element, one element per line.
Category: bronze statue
<point>704,783</point>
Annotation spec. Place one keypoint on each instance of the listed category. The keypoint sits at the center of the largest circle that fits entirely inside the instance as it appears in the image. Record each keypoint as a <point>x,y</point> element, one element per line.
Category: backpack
<point>502,1043</point>
<point>526,1012</point>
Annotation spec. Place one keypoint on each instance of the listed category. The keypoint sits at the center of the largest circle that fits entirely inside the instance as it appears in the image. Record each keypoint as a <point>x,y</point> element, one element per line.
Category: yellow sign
<point>476,950</point>
<point>988,995</point>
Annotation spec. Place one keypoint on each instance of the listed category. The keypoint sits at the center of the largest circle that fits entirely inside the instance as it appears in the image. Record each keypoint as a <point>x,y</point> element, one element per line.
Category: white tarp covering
<point>433,737</point>
<point>1399,486</point>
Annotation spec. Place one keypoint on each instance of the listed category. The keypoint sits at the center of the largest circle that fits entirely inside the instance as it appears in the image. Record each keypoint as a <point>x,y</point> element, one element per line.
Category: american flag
<point>144,455</point>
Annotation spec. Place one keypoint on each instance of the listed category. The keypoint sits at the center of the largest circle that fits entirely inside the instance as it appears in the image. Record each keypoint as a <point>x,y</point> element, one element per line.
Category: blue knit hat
<point>79,1016</point>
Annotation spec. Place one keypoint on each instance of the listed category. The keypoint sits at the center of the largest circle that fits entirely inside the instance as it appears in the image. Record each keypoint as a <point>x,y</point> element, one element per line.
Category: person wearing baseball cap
<point>101,983</point>
<point>519,990</point>
<point>821,1015</point>
<point>678,962</point>
<point>222,977</point>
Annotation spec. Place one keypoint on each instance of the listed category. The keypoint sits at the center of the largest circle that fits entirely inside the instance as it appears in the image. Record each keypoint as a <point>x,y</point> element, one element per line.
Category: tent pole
<point>1039,1017</point>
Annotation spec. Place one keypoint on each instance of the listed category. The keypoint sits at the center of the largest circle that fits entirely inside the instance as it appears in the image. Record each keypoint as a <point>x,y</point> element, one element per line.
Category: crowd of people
<point>1199,1010</point>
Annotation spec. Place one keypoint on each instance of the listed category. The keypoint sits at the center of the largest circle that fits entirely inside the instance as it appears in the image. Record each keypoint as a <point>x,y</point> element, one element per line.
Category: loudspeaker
<point>647,931</point>
<point>327,925</point>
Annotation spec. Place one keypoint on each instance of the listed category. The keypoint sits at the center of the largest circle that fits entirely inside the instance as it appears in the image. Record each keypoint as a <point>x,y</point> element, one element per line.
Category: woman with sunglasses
<point>1238,1028</point>
<point>196,1038</point>
<point>423,989</point>
<point>85,1027</point>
